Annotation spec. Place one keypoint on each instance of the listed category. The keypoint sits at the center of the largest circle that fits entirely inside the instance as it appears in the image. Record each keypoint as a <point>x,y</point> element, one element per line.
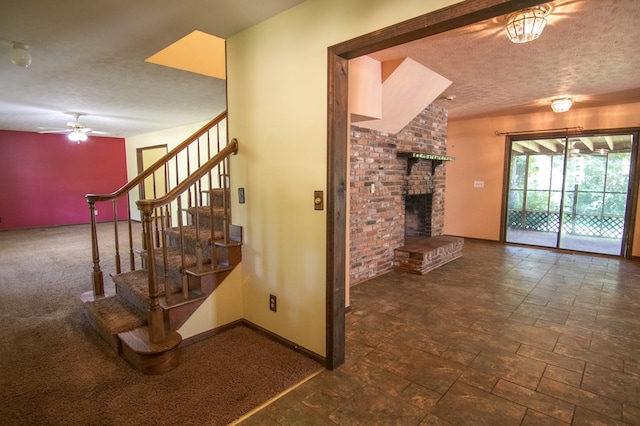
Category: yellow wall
<point>277,98</point>
<point>479,156</point>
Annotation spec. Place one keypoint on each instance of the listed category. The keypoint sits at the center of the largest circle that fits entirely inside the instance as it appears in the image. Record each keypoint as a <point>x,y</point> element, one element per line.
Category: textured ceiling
<point>88,57</point>
<point>589,50</point>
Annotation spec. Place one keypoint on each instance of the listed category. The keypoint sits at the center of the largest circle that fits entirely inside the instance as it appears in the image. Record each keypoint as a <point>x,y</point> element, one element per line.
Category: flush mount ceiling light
<point>20,56</point>
<point>561,104</point>
<point>526,25</point>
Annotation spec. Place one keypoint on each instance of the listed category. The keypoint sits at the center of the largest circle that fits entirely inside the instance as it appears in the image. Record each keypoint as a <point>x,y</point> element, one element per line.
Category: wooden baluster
<point>116,236</point>
<point>97,278</point>
<point>199,256</point>
<point>155,212</point>
<point>214,248</point>
<point>156,320</point>
<point>198,186</point>
<point>189,204</point>
<point>183,268</point>
<point>166,190</point>
<point>132,257</point>
<point>165,270</point>
<point>225,201</point>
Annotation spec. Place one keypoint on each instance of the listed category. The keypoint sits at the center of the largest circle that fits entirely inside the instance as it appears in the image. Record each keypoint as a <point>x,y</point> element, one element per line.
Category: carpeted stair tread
<point>189,232</point>
<point>174,267</point>
<point>110,316</point>
<point>204,217</point>
<point>133,288</point>
<point>217,196</point>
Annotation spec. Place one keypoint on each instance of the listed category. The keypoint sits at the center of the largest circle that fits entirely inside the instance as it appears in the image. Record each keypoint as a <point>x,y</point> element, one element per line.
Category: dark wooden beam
<point>337,214</point>
<point>452,17</point>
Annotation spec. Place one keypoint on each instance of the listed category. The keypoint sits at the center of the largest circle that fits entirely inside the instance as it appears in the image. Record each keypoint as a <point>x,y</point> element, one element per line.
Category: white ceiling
<point>88,57</point>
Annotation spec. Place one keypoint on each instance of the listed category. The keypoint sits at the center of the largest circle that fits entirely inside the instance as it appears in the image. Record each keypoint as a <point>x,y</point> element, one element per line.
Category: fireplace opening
<point>417,219</point>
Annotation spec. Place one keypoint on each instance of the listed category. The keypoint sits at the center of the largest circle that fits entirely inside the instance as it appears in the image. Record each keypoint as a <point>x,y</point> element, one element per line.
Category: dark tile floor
<point>505,335</point>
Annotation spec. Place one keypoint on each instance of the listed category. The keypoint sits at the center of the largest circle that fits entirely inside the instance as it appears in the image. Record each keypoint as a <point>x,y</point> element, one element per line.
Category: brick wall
<point>379,183</point>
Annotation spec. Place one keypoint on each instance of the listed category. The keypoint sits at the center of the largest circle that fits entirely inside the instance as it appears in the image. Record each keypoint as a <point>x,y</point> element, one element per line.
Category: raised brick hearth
<point>421,255</point>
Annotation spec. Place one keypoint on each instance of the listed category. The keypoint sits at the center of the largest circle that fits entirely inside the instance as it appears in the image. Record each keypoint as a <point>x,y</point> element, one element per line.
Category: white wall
<point>277,97</point>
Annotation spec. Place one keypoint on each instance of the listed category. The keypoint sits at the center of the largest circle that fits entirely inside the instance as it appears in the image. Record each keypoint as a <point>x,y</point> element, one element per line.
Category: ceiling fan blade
<point>52,130</point>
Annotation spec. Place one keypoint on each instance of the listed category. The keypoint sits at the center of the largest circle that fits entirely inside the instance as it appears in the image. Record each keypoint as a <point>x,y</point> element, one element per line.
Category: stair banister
<point>97,276</point>
<point>147,207</point>
<point>126,188</point>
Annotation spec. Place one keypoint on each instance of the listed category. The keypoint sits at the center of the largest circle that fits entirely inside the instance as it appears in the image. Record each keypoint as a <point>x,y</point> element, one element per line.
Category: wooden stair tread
<point>138,340</point>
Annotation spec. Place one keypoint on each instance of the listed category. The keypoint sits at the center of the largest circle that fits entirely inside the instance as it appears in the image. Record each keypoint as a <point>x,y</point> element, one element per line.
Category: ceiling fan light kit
<point>526,25</point>
<point>20,56</point>
<point>78,136</point>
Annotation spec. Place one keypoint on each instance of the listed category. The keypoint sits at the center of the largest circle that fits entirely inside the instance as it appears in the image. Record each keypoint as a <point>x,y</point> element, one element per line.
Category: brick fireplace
<point>381,181</point>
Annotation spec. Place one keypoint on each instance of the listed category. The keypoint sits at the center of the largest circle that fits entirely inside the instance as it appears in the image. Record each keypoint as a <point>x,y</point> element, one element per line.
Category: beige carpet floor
<point>55,370</point>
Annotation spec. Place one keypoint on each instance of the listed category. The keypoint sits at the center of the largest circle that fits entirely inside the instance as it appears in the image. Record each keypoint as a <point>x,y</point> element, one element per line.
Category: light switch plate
<point>318,200</point>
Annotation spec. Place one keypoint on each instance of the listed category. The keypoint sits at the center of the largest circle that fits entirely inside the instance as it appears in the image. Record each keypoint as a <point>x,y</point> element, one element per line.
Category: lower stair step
<point>150,357</point>
<point>109,316</point>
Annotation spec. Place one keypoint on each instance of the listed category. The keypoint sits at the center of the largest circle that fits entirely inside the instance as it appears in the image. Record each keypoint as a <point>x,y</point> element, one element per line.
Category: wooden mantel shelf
<point>414,157</point>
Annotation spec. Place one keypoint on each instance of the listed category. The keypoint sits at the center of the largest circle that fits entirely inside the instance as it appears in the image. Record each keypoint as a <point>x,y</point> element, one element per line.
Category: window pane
<point>518,171</point>
<point>557,172</point>
<point>615,204</point>
<point>589,203</point>
<point>568,202</point>
<point>539,172</point>
<point>537,200</point>
<point>594,172</point>
<point>554,203</point>
<point>516,199</point>
<point>618,172</point>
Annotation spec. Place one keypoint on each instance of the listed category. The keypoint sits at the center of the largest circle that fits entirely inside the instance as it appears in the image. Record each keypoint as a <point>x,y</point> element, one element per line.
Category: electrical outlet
<point>273,303</point>
<point>241,195</point>
<point>96,212</point>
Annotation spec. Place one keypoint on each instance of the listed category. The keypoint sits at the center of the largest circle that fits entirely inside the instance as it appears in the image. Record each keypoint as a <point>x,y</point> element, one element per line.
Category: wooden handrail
<point>149,205</point>
<point>92,198</point>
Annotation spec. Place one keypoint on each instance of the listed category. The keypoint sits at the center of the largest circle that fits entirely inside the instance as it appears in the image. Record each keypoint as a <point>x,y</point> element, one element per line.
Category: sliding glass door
<point>570,192</point>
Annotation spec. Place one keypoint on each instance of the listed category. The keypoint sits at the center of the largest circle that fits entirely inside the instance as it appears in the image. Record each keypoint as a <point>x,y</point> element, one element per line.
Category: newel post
<point>96,276</point>
<point>156,320</point>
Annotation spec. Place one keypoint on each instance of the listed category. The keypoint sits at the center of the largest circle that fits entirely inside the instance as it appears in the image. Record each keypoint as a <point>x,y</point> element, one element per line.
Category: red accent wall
<point>44,178</point>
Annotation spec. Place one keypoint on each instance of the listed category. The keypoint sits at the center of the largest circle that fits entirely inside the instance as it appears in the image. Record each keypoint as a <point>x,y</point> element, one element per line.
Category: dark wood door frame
<point>456,16</point>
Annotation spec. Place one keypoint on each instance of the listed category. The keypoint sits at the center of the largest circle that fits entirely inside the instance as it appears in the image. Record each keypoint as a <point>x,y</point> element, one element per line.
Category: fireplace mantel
<point>414,157</point>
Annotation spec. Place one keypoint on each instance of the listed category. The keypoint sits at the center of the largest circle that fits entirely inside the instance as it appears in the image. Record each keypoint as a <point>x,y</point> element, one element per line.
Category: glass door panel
<point>596,192</point>
<point>535,192</point>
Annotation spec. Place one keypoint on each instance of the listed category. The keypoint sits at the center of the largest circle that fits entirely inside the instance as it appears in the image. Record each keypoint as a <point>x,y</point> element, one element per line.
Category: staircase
<point>188,248</point>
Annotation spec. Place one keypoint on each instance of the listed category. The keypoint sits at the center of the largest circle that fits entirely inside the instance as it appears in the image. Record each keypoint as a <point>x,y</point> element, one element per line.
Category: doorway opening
<point>571,192</point>
<point>155,185</point>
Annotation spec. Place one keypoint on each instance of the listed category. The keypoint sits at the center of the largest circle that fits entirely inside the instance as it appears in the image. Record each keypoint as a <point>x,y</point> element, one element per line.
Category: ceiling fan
<point>76,130</point>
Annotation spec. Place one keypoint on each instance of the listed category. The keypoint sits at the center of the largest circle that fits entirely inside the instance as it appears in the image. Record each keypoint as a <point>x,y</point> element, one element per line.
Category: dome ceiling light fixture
<point>20,55</point>
<point>526,25</point>
<point>561,104</point>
